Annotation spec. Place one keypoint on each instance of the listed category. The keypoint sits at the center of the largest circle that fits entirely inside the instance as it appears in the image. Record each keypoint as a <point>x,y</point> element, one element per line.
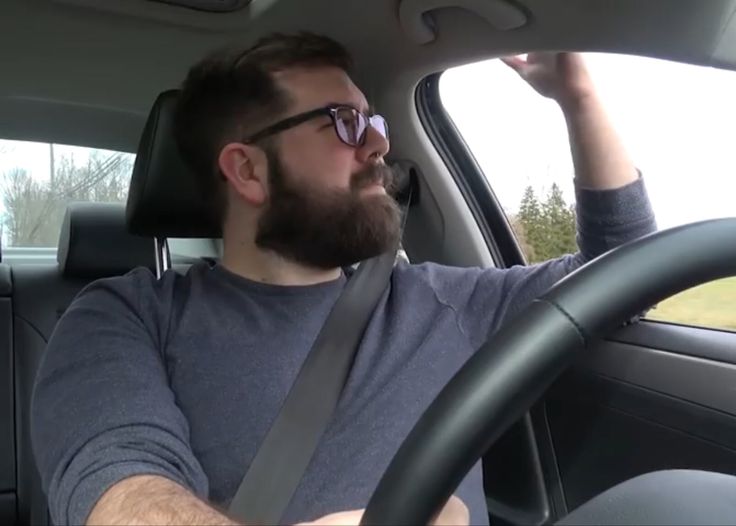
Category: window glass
<point>39,180</point>
<point>676,121</point>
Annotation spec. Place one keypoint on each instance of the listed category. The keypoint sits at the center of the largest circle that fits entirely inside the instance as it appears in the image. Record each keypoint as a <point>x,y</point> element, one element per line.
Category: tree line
<point>544,226</point>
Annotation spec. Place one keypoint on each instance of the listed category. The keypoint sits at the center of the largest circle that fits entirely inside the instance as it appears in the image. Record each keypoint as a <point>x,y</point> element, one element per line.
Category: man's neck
<point>268,267</point>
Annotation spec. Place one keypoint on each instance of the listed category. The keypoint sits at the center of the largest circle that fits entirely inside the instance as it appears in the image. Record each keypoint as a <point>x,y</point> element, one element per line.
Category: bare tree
<point>35,209</point>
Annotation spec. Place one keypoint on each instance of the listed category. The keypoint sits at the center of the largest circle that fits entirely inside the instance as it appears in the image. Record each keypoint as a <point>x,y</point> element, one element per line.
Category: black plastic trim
<point>8,508</point>
<point>210,6</point>
<point>711,344</point>
<point>548,461</point>
<point>8,422</point>
<point>467,174</point>
<point>514,480</point>
<point>678,414</point>
<point>708,383</point>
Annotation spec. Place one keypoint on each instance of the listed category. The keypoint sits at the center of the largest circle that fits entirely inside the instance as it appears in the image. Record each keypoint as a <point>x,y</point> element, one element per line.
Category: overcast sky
<point>676,120</point>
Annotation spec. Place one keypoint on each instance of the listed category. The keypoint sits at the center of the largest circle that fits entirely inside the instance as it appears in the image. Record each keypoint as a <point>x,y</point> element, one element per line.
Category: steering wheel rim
<point>515,366</point>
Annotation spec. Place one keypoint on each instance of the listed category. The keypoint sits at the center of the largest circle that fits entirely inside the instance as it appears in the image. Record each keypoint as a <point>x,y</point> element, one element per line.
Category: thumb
<point>343,518</point>
<point>455,513</point>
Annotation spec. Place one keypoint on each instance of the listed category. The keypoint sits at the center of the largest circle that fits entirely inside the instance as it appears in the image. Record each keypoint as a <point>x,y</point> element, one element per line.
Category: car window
<point>39,180</point>
<point>676,121</point>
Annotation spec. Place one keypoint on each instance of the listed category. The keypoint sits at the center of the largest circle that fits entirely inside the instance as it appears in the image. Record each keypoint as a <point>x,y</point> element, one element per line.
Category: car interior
<point>644,397</point>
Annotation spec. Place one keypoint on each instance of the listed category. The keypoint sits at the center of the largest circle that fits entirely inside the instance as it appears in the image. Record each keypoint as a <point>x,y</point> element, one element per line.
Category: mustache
<point>375,174</point>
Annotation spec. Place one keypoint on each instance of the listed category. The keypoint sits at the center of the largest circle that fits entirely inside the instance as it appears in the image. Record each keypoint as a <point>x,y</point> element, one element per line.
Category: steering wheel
<point>514,368</point>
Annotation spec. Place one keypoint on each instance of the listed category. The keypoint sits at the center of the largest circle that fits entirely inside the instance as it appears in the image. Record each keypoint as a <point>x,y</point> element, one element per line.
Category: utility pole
<point>51,164</point>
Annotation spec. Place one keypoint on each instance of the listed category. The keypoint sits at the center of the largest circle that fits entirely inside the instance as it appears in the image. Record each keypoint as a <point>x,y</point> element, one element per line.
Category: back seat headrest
<point>164,198</point>
<point>94,242</point>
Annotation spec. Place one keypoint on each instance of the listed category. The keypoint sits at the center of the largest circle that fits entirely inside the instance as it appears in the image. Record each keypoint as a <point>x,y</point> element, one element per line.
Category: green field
<point>710,305</point>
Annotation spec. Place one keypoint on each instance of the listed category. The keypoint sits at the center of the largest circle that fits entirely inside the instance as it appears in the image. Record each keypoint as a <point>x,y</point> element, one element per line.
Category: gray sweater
<point>182,377</point>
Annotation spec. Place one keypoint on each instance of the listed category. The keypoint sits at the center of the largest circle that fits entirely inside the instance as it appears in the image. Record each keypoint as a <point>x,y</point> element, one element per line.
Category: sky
<point>676,120</point>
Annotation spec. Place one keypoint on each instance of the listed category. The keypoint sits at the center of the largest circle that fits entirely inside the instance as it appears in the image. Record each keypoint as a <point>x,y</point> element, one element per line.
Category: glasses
<point>351,125</point>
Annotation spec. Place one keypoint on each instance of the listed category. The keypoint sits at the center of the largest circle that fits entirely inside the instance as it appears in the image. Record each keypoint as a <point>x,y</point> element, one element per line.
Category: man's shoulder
<point>139,289</point>
<point>135,303</point>
<point>134,284</point>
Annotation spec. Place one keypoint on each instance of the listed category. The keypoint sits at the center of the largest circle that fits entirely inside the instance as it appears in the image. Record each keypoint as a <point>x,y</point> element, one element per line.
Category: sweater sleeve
<point>606,219</point>
<point>102,408</point>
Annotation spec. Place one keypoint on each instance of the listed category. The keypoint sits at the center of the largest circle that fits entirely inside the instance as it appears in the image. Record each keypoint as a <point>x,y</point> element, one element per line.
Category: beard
<point>329,228</point>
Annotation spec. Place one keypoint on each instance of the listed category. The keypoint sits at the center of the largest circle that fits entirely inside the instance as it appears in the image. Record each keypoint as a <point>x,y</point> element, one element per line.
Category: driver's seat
<point>164,200</point>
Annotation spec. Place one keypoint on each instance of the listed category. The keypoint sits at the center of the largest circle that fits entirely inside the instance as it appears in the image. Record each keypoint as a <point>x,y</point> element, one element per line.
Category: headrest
<point>94,242</point>
<point>164,198</point>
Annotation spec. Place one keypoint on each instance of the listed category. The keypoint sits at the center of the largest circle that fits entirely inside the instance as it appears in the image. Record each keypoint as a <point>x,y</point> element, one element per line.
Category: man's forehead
<point>316,87</point>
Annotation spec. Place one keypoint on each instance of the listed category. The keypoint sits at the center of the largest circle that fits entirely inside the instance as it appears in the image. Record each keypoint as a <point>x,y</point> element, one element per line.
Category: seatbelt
<point>286,451</point>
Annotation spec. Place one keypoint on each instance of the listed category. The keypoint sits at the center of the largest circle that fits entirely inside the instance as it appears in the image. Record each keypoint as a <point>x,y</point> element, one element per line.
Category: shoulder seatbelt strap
<point>283,457</point>
<point>285,453</point>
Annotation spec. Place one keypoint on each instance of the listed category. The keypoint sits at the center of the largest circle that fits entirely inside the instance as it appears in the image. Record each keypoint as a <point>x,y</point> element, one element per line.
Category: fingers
<point>455,513</point>
<point>342,518</point>
<point>515,63</point>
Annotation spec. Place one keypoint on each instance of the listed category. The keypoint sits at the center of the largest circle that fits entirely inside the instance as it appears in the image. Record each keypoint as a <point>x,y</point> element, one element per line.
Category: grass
<point>712,305</point>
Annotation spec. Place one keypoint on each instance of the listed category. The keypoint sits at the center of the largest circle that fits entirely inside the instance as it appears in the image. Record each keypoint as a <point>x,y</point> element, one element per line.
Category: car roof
<point>86,72</point>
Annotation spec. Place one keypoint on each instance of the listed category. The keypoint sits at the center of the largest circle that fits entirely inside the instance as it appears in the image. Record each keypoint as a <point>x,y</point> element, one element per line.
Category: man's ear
<point>244,166</point>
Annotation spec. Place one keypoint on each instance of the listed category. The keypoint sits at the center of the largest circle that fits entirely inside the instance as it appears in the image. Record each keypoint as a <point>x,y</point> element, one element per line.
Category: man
<point>154,396</point>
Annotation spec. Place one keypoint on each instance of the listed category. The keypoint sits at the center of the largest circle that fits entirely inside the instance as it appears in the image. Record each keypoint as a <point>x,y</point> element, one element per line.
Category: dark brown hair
<point>232,93</point>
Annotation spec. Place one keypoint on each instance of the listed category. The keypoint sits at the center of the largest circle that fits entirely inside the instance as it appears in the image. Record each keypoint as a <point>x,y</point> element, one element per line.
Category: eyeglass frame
<point>327,111</point>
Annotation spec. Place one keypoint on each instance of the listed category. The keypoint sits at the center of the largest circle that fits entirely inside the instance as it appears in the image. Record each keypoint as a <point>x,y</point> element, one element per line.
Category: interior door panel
<point>655,396</point>
<point>629,408</point>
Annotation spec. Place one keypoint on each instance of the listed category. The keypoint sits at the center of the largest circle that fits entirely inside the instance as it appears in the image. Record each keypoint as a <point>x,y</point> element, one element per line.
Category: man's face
<point>328,204</point>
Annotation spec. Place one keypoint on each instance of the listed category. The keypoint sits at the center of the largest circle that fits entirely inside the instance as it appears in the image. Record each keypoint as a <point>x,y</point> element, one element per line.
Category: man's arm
<point>612,206</point>
<point>102,409</point>
<point>150,499</point>
<point>145,500</point>
<point>600,158</point>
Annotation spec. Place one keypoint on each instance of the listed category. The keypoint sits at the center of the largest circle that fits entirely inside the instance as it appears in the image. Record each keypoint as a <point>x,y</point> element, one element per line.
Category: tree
<point>521,236</point>
<point>560,223</point>
<point>26,204</point>
<point>530,223</point>
<point>546,229</point>
<point>35,209</point>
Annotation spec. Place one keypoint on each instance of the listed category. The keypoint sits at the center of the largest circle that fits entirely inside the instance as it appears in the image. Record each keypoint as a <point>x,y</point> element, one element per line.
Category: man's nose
<point>376,146</point>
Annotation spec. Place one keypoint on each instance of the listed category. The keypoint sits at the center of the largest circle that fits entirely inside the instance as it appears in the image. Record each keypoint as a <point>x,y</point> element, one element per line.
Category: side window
<point>676,121</point>
<point>39,180</point>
